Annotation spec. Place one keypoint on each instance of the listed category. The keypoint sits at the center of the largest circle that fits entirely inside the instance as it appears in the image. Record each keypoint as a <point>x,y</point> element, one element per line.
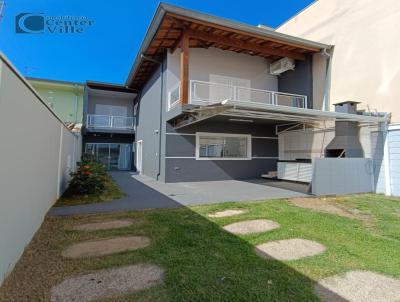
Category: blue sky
<point>105,51</point>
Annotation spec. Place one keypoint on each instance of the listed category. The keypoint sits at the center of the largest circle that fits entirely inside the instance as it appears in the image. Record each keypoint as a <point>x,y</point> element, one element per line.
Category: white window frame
<point>211,134</point>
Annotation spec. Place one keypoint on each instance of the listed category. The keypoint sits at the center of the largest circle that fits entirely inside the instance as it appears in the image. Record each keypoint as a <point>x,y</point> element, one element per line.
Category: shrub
<point>90,178</point>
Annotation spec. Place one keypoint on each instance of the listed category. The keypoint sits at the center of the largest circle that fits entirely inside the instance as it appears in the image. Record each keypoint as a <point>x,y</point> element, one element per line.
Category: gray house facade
<point>212,99</point>
<point>215,99</point>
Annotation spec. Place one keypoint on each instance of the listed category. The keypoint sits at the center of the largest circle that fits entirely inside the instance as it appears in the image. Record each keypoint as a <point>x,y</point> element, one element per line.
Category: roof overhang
<point>169,22</point>
<point>279,114</point>
<point>109,87</point>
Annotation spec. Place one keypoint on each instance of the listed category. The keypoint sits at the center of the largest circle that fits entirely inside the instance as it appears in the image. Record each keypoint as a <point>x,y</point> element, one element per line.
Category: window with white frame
<point>222,146</point>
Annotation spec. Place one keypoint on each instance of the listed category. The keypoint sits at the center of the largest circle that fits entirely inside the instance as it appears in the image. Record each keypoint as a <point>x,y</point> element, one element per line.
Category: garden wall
<point>37,152</point>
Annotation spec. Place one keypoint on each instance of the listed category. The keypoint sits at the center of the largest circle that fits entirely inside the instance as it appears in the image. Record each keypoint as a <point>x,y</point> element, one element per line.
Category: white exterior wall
<point>37,153</point>
<point>366,64</point>
<point>393,162</point>
<point>304,144</point>
<point>213,61</point>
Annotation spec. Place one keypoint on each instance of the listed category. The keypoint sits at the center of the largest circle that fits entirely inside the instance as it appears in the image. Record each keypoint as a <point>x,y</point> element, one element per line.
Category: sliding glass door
<point>113,156</point>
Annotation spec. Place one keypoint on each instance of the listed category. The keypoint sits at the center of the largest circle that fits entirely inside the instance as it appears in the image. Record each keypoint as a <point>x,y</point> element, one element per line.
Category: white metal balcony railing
<point>109,122</point>
<point>207,93</point>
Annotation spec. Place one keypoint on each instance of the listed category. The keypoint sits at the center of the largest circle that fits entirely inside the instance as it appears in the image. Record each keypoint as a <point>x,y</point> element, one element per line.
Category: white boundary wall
<point>37,153</point>
<point>388,160</point>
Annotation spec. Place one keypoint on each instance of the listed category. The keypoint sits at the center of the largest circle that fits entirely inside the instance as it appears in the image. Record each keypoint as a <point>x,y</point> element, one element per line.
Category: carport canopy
<point>249,111</point>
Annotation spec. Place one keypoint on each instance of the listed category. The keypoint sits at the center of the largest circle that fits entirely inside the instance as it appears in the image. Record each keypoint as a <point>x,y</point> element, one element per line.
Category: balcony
<point>207,93</point>
<point>107,122</point>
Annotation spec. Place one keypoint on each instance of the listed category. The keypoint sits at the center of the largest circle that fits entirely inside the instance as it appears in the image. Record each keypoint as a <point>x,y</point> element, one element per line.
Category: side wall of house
<point>148,126</point>
<point>37,155</point>
<point>359,30</point>
<point>67,103</point>
<point>181,163</point>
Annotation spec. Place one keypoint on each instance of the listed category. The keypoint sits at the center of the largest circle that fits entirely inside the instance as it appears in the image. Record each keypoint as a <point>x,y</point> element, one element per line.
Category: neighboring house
<point>365,65</point>
<point>216,99</point>
<point>65,99</point>
<point>108,124</point>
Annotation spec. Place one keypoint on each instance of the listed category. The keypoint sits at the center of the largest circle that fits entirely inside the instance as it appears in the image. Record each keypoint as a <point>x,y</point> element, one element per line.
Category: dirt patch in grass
<point>111,192</point>
<point>102,225</point>
<point>322,205</point>
<point>335,206</point>
<point>226,213</point>
<point>359,286</point>
<point>251,226</point>
<point>289,249</point>
<point>107,283</point>
<point>106,246</point>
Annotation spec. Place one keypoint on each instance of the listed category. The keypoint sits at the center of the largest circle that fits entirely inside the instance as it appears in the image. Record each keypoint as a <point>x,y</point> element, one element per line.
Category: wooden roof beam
<point>253,47</point>
<point>240,32</point>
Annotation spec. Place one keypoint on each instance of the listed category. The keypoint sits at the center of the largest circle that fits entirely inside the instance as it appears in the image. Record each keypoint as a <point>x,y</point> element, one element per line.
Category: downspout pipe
<point>161,108</point>
<point>326,100</point>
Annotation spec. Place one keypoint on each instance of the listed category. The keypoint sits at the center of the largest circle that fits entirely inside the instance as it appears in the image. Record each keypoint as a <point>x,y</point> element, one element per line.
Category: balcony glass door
<point>103,154</point>
<point>113,156</point>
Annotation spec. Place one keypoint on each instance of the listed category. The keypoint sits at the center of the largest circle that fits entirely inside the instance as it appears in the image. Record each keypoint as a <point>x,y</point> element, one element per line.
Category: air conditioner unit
<point>282,65</point>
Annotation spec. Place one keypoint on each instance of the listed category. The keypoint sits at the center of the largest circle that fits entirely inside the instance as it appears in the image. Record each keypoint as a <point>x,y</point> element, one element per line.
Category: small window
<point>220,146</point>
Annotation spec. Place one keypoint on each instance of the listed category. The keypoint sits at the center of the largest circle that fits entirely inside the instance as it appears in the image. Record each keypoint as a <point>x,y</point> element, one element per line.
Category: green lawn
<point>111,192</point>
<point>205,263</point>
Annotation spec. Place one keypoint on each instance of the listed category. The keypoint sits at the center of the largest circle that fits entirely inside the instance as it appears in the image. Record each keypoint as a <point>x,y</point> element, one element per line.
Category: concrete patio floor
<point>143,192</point>
<point>208,192</point>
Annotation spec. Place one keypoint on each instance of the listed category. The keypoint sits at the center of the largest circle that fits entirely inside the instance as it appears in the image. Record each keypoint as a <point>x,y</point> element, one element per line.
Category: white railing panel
<point>210,93</point>
<point>99,121</point>
<point>109,121</point>
<point>290,100</point>
<point>121,122</point>
<point>174,97</point>
<point>253,95</point>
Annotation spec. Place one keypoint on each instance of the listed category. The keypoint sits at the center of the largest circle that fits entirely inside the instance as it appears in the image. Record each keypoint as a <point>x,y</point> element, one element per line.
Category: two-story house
<point>212,99</point>
<point>214,95</point>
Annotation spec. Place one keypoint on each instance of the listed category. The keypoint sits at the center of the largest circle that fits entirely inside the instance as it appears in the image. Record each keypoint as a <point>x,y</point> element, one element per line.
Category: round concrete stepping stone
<point>104,225</point>
<point>359,286</point>
<point>251,226</point>
<point>289,249</point>
<point>107,283</point>
<point>106,246</point>
<point>226,213</point>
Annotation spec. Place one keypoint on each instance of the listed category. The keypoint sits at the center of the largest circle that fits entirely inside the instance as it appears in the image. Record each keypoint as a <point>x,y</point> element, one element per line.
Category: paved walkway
<point>146,193</point>
<point>138,197</point>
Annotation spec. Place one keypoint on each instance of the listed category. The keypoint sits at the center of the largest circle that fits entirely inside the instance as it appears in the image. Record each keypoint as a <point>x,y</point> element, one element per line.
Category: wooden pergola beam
<point>254,47</point>
<point>177,44</point>
<point>184,85</point>
<point>240,32</point>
